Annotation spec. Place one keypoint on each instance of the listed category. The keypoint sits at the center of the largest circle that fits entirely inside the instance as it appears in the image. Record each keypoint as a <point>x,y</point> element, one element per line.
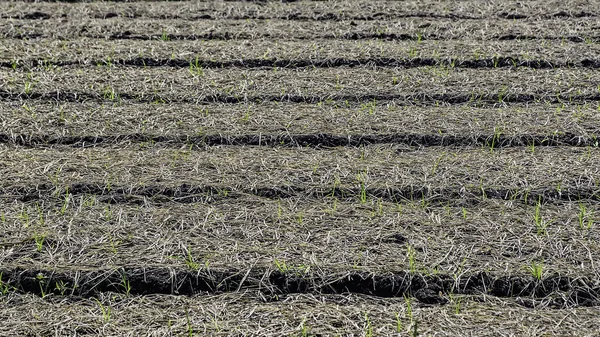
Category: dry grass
<point>245,314</point>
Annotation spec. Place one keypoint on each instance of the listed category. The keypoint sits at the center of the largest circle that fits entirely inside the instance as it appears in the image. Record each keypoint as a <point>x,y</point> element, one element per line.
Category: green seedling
<point>196,68</point>
<point>105,310</point>
<point>363,193</point>
<point>125,284</point>
<point>369,107</point>
<point>300,218</point>
<point>24,217</point>
<point>28,87</point>
<point>398,323</point>
<point>189,324</point>
<point>457,302</point>
<point>536,269</point>
<point>409,312</point>
<point>61,287</point>
<point>304,329</point>
<point>65,203</point>
<point>43,285</point>
<point>39,241</point>
<point>368,327</point>
<point>582,218</point>
<point>109,93</point>
<point>281,266</point>
<point>540,223</point>
<point>190,263</point>
<point>4,287</point>
<point>495,138</point>
<point>165,36</point>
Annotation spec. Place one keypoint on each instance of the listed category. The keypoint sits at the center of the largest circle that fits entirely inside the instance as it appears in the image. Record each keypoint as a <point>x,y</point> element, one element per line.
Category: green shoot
<point>125,284</point>
<point>369,327</point>
<point>582,218</point>
<point>196,68</point>
<point>540,223</point>
<point>39,241</point>
<point>398,323</point>
<point>409,312</point>
<point>165,36</point>
<point>190,263</point>
<point>536,269</point>
<point>105,310</point>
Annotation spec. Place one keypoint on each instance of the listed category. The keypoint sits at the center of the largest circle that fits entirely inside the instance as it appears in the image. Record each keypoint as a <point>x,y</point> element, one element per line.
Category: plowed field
<point>299,168</point>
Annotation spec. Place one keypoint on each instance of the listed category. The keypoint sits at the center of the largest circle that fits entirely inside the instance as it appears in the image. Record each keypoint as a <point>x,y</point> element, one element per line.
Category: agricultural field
<point>300,168</point>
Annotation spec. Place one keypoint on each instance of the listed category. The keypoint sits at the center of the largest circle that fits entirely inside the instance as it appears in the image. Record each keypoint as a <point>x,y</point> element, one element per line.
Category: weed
<point>464,213</point>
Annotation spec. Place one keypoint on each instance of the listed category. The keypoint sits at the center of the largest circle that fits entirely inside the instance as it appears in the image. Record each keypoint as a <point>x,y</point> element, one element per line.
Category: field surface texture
<point>299,168</point>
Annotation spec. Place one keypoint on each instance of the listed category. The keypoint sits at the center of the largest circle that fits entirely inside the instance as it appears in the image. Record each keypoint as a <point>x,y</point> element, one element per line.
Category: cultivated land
<point>306,168</point>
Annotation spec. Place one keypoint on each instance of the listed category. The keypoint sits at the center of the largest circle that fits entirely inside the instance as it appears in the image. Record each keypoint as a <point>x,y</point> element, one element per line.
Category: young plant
<point>304,329</point>
<point>368,327</point>
<point>4,287</point>
<point>196,68</point>
<point>165,36</point>
<point>39,241</point>
<point>540,223</point>
<point>409,312</point>
<point>495,139</point>
<point>125,284</point>
<point>582,218</point>
<point>190,263</point>
<point>105,310</point>
<point>398,323</point>
<point>536,269</point>
<point>43,285</point>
